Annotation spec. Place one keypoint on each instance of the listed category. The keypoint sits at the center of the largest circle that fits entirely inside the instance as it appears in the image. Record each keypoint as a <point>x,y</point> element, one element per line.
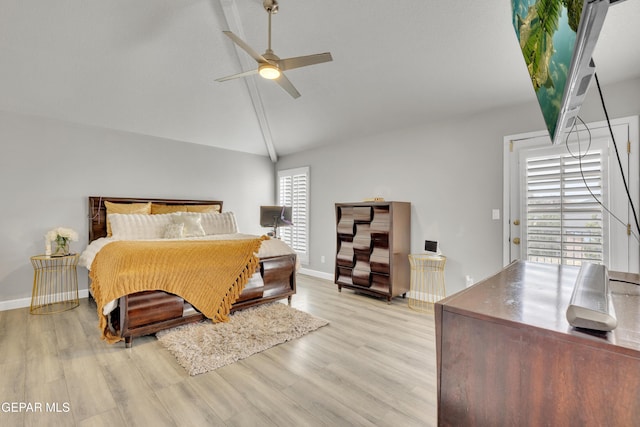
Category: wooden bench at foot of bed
<point>145,313</point>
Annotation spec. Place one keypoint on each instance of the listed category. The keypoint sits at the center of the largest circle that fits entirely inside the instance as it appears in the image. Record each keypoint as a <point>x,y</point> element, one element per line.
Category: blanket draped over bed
<point>210,275</point>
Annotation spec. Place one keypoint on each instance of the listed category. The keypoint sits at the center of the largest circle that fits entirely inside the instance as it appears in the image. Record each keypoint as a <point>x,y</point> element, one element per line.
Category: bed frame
<point>146,313</point>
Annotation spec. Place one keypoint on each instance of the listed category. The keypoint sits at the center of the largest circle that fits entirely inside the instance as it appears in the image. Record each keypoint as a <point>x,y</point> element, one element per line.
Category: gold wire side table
<point>55,284</point>
<point>427,281</point>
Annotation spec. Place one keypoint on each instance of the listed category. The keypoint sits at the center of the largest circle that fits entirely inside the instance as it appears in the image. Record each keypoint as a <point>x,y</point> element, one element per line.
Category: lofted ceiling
<point>149,66</point>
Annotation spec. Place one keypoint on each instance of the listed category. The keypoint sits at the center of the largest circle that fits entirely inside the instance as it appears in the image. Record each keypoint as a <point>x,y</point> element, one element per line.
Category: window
<point>564,222</point>
<point>293,190</point>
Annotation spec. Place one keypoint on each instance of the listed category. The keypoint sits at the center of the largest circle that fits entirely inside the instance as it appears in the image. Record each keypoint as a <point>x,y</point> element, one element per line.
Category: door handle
<point>516,240</point>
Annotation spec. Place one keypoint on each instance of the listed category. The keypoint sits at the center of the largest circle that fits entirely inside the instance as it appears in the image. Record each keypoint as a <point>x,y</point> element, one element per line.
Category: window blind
<point>293,190</point>
<point>564,221</point>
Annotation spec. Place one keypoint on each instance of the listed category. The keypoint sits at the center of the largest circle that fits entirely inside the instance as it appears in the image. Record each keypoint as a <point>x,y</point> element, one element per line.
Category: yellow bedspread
<point>208,274</point>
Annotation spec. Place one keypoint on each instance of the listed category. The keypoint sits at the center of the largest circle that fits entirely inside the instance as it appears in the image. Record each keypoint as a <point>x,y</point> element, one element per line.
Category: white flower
<point>61,233</point>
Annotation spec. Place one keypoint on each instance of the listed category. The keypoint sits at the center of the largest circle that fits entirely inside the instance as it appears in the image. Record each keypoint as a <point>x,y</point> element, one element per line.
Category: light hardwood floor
<point>374,365</point>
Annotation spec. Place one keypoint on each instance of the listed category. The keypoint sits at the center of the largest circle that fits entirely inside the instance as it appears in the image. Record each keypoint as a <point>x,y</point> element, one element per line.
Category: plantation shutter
<point>564,223</point>
<point>293,190</point>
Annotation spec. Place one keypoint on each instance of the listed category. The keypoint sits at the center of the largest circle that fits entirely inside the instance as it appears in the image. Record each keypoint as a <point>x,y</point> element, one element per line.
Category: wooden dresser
<point>506,354</point>
<point>373,244</point>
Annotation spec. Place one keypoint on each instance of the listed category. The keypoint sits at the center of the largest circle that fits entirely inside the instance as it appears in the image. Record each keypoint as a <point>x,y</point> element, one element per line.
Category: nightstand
<point>427,281</point>
<point>55,284</point>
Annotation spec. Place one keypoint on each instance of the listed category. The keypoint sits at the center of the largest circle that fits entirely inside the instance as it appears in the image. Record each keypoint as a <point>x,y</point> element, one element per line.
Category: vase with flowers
<point>60,238</point>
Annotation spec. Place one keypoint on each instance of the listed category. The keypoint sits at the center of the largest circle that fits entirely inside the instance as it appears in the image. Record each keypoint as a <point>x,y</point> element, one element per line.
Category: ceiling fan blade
<point>235,76</point>
<point>237,40</point>
<point>303,61</point>
<point>285,84</point>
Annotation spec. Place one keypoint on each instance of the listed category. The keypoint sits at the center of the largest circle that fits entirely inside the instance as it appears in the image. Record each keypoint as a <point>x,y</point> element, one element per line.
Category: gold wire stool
<point>427,281</point>
<point>55,284</point>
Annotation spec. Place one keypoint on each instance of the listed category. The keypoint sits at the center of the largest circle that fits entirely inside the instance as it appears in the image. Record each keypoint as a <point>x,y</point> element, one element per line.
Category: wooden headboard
<point>98,211</point>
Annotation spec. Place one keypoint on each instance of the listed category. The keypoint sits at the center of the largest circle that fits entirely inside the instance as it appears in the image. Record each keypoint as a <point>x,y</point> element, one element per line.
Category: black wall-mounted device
<point>430,246</point>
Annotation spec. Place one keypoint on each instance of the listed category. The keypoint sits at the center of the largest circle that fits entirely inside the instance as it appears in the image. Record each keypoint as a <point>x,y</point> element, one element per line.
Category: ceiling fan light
<point>269,71</point>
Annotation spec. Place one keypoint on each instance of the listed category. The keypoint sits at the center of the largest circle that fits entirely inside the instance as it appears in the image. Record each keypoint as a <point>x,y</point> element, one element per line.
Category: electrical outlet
<point>322,259</point>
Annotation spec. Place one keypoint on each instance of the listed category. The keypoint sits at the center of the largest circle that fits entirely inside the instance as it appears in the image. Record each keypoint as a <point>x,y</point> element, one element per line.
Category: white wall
<point>451,172</point>
<point>48,169</point>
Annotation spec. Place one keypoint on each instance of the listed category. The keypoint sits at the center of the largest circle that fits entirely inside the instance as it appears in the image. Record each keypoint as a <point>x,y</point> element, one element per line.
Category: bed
<point>141,234</point>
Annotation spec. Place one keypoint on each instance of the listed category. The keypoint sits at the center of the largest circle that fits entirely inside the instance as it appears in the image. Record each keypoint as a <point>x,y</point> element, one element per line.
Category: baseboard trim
<point>26,302</point>
<point>315,273</point>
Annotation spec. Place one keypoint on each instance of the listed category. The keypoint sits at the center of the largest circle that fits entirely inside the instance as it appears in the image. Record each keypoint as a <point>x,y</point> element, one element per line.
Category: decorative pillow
<point>125,208</point>
<point>139,226</point>
<point>192,224</point>
<point>219,223</point>
<point>203,208</point>
<point>174,231</point>
<point>157,208</point>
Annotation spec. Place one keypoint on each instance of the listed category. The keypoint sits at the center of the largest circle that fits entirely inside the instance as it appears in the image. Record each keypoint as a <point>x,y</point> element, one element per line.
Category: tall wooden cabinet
<point>373,244</point>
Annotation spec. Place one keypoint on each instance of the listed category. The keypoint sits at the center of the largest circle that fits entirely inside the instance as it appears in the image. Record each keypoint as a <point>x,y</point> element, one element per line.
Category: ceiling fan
<point>270,66</point>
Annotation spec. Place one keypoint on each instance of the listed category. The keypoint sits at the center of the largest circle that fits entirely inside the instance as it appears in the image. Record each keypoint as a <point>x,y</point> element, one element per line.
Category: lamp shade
<point>275,216</point>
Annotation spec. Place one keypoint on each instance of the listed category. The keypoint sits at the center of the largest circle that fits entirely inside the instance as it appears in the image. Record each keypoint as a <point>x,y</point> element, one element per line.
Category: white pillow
<point>219,223</point>
<point>138,226</point>
<point>174,231</point>
<point>192,223</point>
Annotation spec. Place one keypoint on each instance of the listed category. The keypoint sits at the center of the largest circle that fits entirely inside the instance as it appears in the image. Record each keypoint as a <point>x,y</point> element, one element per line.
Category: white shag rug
<point>205,346</point>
